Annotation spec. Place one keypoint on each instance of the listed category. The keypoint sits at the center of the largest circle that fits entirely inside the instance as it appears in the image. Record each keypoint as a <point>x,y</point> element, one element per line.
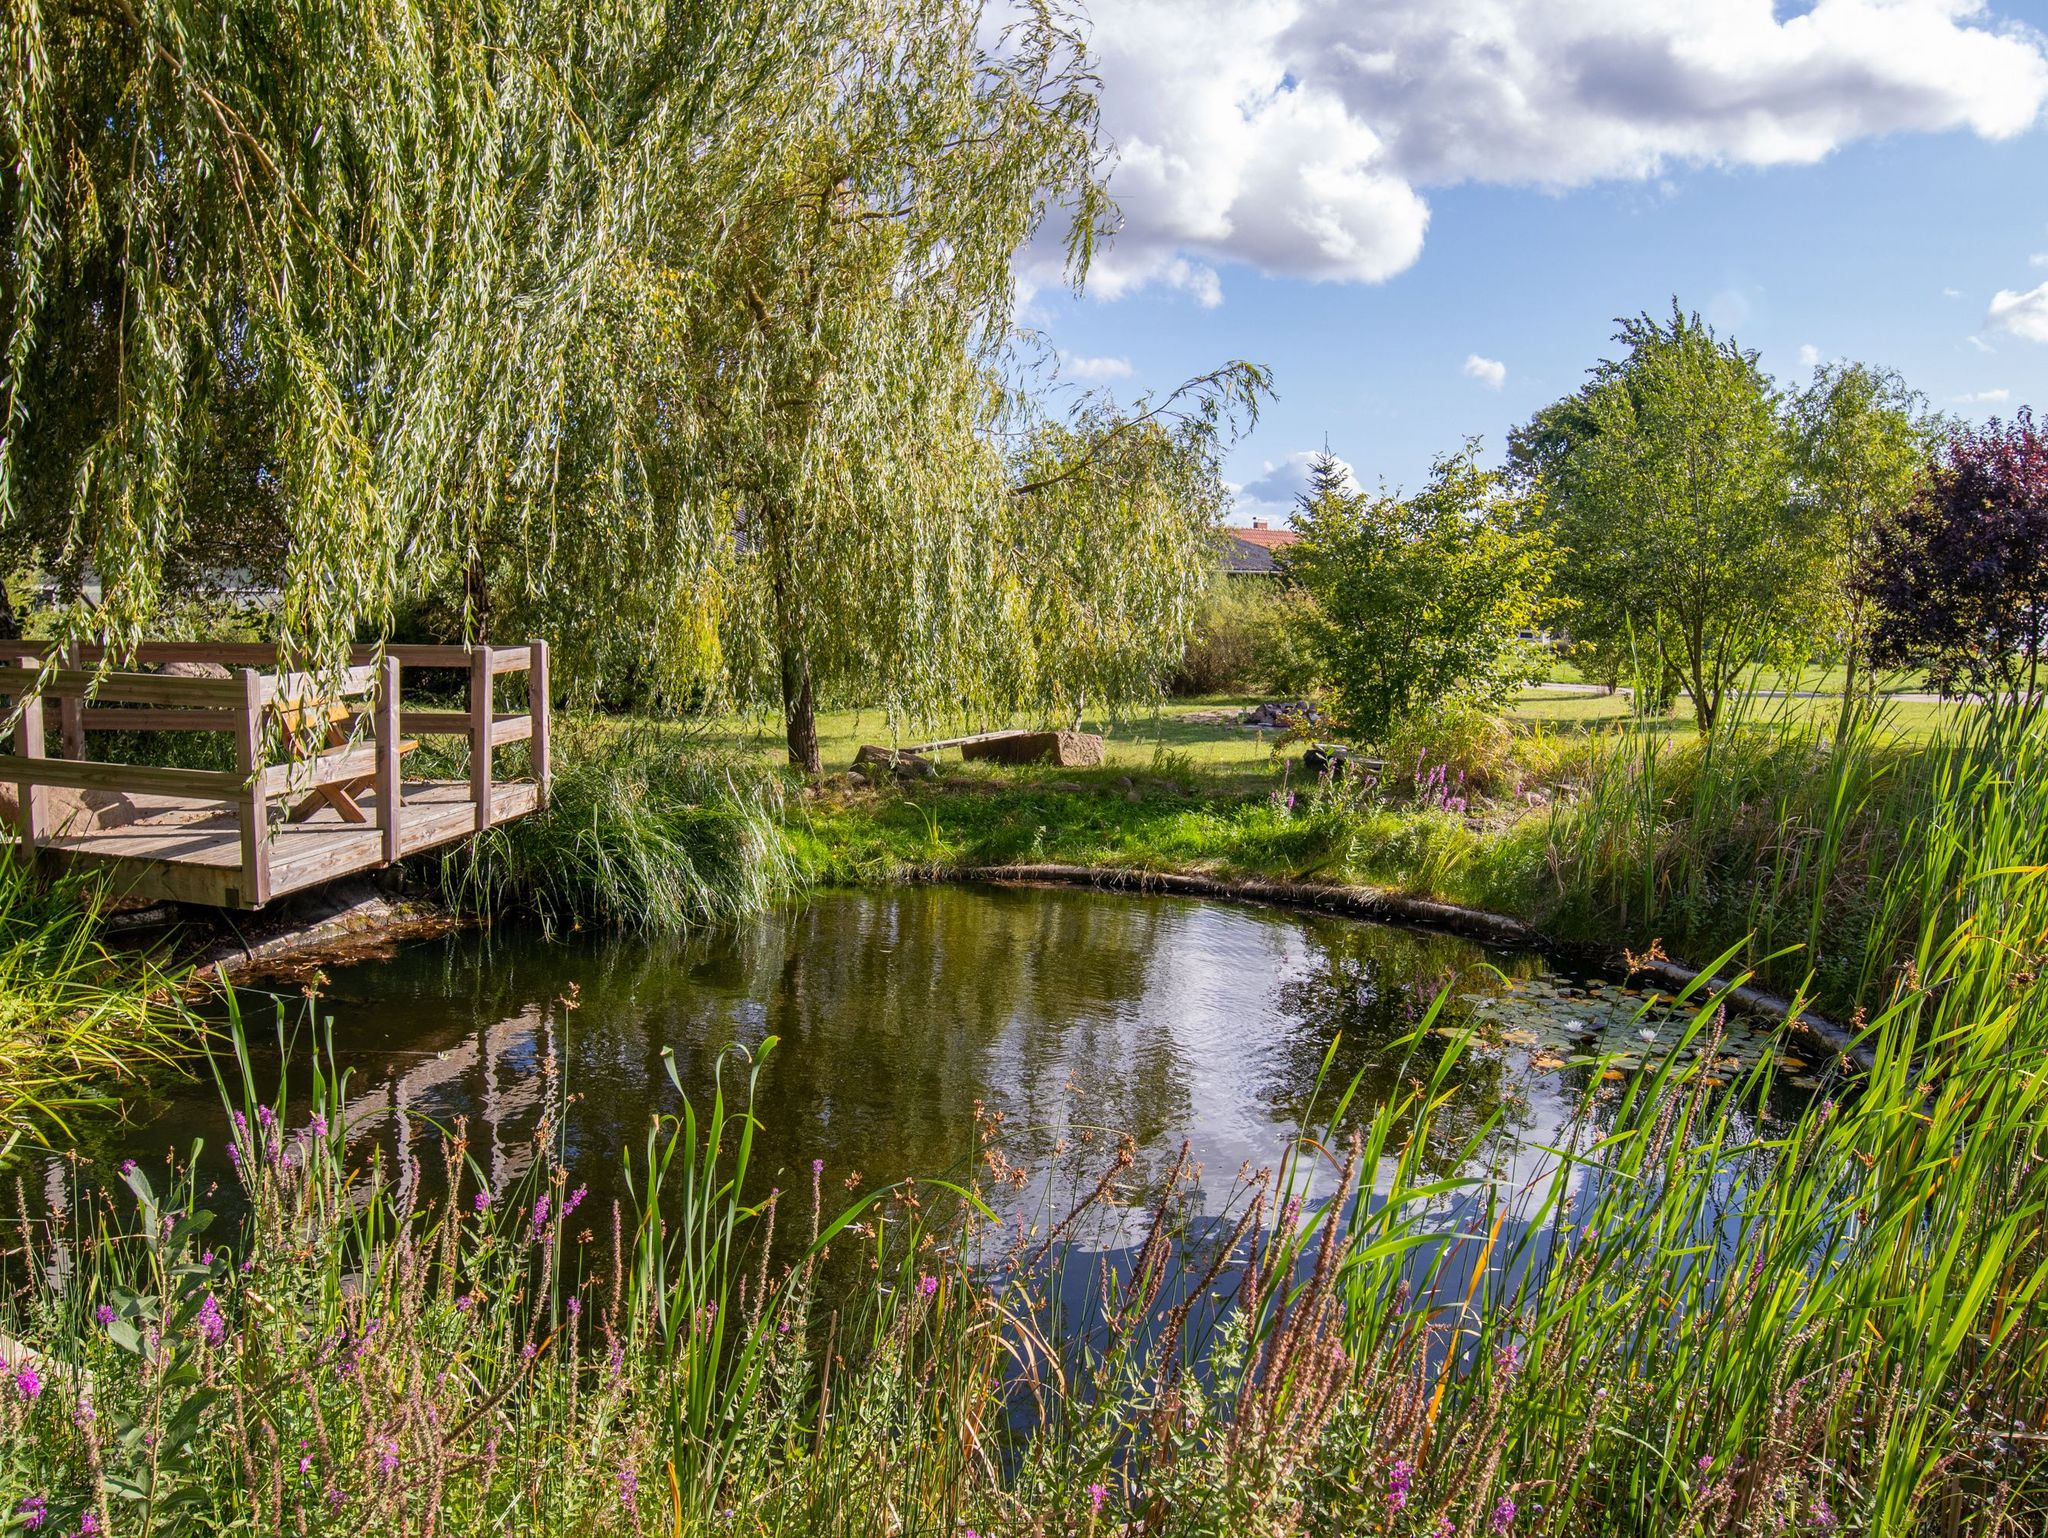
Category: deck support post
<point>538,707</point>
<point>480,734</point>
<point>389,789</point>
<point>28,742</point>
<point>255,808</point>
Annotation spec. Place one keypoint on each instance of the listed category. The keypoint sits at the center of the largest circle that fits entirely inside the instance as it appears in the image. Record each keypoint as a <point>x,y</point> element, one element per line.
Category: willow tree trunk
<point>800,713</point>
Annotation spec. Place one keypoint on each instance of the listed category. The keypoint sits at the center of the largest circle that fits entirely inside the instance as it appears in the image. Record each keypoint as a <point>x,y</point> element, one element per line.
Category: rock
<point>856,780</point>
<point>904,766</point>
<point>194,670</point>
<point>1070,750</point>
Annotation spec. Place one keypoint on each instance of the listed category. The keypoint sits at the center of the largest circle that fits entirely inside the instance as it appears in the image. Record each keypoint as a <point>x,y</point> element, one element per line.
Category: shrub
<point>1251,637</point>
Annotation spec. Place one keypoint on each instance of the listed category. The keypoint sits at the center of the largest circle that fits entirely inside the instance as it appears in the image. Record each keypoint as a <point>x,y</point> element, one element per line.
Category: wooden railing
<point>262,710</point>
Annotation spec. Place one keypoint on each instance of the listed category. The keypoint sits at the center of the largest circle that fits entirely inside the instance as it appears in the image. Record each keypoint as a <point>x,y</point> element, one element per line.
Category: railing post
<point>28,742</point>
<point>71,711</point>
<point>389,790</point>
<point>255,806</point>
<point>538,707</point>
<point>480,734</point>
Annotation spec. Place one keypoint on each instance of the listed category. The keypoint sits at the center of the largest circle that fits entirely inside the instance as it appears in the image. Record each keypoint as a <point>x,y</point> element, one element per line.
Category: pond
<point>903,1014</point>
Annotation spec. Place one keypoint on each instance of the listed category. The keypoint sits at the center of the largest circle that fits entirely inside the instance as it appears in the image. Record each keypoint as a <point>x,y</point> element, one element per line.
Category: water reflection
<point>1077,1015</point>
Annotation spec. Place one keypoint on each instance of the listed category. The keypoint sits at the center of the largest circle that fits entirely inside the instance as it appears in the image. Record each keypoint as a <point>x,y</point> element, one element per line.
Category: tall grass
<point>72,1011</point>
<point>644,830</point>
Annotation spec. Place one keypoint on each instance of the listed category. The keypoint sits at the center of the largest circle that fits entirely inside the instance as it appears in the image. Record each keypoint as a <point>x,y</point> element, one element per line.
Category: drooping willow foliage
<point>681,333</point>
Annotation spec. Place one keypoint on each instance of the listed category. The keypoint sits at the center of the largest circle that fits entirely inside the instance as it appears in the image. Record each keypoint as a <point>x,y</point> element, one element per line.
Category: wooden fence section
<point>319,787</point>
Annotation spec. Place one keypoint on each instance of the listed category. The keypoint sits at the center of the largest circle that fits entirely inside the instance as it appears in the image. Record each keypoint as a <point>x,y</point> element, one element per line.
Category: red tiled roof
<point>1265,539</point>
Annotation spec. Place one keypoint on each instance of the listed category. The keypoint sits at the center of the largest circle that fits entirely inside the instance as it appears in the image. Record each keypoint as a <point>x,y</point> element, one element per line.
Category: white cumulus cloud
<point>2022,314</point>
<point>1094,370</point>
<point>1982,397</point>
<point>1809,355</point>
<point>1490,372</point>
<point>1299,137</point>
<point>1271,493</point>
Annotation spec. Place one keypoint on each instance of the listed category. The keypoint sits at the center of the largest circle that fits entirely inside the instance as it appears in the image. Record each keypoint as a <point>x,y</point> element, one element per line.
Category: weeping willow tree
<point>292,290</point>
<point>682,334</point>
<point>830,486</point>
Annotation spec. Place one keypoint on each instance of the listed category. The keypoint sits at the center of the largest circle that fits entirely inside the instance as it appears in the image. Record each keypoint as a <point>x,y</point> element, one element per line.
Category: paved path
<point>1916,697</point>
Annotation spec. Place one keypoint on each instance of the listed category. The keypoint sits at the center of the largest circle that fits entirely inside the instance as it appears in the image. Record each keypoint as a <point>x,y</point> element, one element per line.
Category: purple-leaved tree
<point>1961,577</point>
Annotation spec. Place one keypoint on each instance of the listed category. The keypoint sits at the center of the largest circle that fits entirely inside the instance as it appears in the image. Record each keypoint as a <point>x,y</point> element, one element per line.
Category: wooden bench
<point>333,721</point>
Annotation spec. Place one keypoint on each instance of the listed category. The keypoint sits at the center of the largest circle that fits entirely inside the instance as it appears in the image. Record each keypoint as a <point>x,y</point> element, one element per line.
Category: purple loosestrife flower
<point>927,1285</point>
<point>1445,1528</point>
<point>1508,1359</point>
<point>817,1166</point>
<point>1398,1478</point>
<point>318,1125</point>
<point>575,1200</point>
<point>1503,1515</point>
<point>88,1524</point>
<point>387,1456</point>
<point>104,1313</point>
<point>211,1325</point>
<point>541,1209</point>
<point>482,1201</point>
<point>465,1303</point>
<point>1096,1496</point>
<point>265,1117</point>
<point>575,1308</point>
<point>1823,1514</point>
<point>629,1485</point>
<point>26,1381</point>
<point>127,1166</point>
<point>32,1512</point>
<point>235,1156</point>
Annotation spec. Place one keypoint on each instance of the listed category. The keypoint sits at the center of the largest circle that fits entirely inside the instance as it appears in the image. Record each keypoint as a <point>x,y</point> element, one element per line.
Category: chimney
<point>1258,523</point>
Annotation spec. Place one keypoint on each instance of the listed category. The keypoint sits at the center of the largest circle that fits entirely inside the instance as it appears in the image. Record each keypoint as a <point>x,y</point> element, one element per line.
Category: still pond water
<point>1077,1015</point>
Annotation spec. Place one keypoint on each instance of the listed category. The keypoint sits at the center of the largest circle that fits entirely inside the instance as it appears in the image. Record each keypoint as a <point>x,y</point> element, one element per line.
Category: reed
<point>74,1015</point>
<point>644,830</point>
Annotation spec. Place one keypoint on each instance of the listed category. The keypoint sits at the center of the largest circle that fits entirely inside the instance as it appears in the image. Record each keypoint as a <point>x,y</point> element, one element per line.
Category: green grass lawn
<point>1186,737</point>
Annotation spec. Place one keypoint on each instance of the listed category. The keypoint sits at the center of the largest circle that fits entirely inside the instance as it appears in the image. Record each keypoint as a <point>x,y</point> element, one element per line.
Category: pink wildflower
<point>26,1381</point>
<point>1097,1494</point>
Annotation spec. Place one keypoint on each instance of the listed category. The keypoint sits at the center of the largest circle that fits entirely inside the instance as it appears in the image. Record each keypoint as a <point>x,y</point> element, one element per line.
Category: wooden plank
<point>480,676</point>
<point>147,718</point>
<point>390,788</point>
<point>956,742</point>
<point>219,785</point>
<point>124,688</point>
<point>506,729</point>
<point>541,707</point>
<point>217,886</point>
<point>434,723</point>
<point>30,810</point>
<point>255,806</point>
<point>511,659</point>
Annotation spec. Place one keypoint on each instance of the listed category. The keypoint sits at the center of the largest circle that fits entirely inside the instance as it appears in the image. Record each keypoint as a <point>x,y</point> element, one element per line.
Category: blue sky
<point>1438,258</point>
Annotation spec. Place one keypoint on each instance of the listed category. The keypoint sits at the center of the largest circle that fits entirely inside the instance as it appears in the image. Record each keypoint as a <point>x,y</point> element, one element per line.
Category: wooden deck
<point>295,812</point>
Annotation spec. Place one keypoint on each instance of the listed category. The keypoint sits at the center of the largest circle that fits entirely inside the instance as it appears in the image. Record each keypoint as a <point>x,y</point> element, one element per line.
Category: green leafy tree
<point>1667,484</point>
<point>1420,600</point>
<point>1861,447</point>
